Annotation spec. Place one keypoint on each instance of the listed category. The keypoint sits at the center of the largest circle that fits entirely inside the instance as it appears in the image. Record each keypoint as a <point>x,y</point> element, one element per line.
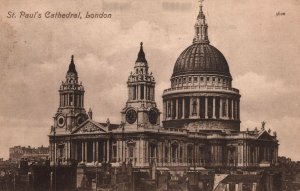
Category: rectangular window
<point>201,78</point>
<point>190,79</point>
<point>195,79</point>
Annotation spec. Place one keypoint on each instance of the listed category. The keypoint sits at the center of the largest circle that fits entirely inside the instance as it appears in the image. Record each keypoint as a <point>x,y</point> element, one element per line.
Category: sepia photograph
<point>143,95</point>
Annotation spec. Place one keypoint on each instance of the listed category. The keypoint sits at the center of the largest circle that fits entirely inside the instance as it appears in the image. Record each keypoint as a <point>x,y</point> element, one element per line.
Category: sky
<point>261,46</point>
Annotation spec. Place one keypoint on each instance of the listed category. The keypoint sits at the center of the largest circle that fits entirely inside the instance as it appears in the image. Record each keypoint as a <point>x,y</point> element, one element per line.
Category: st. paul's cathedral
<point>200,119</point>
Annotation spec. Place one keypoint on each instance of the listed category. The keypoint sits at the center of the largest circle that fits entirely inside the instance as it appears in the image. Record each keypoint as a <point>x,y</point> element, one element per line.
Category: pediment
<point>264,135</point>
<point>90,126</point>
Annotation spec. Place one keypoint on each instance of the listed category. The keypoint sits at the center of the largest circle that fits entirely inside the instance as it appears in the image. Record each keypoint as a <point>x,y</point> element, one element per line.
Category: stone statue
<point>263,124</point>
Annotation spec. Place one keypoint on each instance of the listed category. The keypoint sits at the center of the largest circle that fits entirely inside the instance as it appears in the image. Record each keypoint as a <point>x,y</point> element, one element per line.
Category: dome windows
<point>196,79</point>
<point>200,81</point>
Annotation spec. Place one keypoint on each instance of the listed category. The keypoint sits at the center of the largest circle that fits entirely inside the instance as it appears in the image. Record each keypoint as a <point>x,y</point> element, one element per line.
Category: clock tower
<point>71,112</point>
<point>141,110</point>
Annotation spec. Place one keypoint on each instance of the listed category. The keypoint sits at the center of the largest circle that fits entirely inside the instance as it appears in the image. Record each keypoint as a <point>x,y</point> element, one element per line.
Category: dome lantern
<point>201,35</point>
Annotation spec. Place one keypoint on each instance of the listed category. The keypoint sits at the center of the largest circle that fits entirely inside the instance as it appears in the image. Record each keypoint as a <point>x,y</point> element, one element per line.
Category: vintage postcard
<point>150,95</point>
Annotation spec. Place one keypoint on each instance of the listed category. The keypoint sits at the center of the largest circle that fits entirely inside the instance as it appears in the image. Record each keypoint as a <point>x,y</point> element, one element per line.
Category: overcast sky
<point>262,49</point>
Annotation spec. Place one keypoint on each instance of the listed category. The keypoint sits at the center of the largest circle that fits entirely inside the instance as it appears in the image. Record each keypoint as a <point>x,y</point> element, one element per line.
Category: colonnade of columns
<point>214,107</point>
<point>92,151</point>
<point>71,99</point>
<point>165,153</point>
<point>142,91</point>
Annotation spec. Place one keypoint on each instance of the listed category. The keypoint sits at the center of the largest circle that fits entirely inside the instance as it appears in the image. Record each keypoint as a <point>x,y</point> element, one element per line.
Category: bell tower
<point>141,110</point>
<point>71,112</point>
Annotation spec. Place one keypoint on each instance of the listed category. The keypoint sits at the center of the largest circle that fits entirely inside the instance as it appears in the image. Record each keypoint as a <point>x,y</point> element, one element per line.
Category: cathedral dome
<point>201,58</point>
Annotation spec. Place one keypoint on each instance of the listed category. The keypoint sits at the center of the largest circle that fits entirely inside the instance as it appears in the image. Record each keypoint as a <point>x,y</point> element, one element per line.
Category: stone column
<point>82,152</point>
<point>235,109</point>
<point>69,150</point>
<point>82,101</point>
<point>66,151</point>
<point>198,107</point>
<point>177,109</point>
<point>145,92</point>
<point>221,108</point>
<point>85,151</point>
<point>206,107</point>
<point>256,155</point>
<point>191,106</point>
<point>74,151</point>
<point>232,109</point>
<point>165,110</point>
<point>141,151</point>
<point>214,107</point>
<point>227,108</point>
<point>172,107</point>
<point>138,87</point>
<point>238,109</point>
<point>79,100</point>
<point>94,151</point>
<point>60,100</point>
<point>103,151</point>
<point>147,151</point>
<point>242,154</point>
<point>97,151</point>
<point>183,108</point>
<point>107,150</point>
<point>170,156</point>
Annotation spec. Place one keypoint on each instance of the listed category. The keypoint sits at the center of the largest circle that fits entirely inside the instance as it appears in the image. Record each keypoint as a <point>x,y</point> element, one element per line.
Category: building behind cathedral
<point>199,144</point>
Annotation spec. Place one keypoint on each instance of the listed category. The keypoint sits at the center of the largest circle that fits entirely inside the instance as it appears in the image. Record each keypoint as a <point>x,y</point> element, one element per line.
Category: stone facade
<point>200,119</point>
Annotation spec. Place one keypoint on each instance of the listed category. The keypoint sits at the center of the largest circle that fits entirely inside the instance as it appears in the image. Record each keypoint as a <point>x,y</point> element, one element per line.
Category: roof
<point>141,56</point>
<point>249,178</point>
<point>201,58</point>
<point>72,68</point>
